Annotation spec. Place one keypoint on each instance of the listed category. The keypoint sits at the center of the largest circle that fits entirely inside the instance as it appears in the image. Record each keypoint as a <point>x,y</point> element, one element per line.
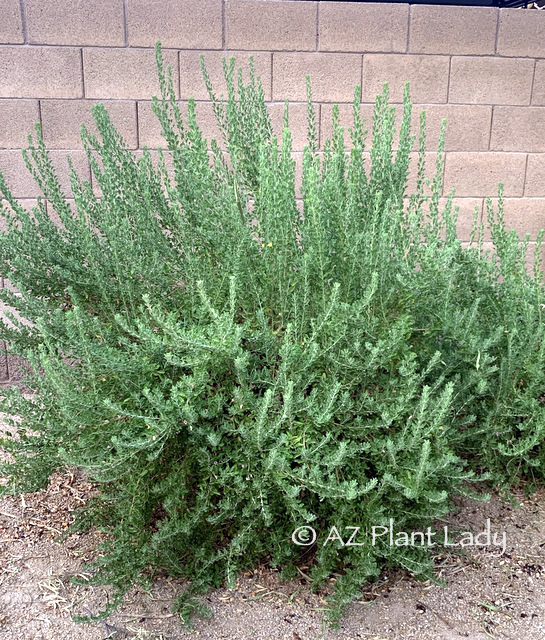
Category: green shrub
<point>228,368</point>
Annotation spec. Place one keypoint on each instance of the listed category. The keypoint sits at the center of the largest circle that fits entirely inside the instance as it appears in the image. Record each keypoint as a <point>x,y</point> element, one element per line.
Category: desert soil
<point>487,594</point>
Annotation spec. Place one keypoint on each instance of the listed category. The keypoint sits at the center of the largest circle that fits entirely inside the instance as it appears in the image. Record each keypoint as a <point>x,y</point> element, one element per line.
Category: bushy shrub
<point>228,367</point>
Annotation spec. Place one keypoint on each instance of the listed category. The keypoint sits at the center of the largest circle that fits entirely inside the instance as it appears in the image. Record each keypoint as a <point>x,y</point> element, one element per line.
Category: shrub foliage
<point>229,363</point>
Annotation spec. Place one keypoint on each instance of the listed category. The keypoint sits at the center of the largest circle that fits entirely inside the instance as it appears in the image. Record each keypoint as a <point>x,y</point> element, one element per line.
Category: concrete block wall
<point>481,68</point>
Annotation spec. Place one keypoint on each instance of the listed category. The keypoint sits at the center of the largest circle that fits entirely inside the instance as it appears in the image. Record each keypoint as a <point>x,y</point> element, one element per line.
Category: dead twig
<point>442,618</point>
<point>37,523</point>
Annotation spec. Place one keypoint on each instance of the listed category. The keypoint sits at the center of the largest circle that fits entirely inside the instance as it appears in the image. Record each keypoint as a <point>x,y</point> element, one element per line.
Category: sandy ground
<point>487,595</point>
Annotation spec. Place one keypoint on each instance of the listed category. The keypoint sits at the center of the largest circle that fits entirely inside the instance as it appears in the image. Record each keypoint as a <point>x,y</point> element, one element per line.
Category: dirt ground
<point>487,594</point>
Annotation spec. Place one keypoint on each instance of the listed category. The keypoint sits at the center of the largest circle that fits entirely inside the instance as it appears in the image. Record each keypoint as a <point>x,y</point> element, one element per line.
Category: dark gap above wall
<point>503,4</point>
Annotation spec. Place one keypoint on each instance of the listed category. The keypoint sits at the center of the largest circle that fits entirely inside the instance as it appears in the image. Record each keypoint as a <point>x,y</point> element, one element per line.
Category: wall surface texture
<point>481,68</point>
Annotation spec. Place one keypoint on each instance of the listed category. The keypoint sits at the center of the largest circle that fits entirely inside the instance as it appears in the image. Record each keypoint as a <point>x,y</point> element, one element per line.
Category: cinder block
<point>453,30</point>
<point>53,214</point>
<point>124,73</point>
<point>346,120</point>
<point>363,27</point>
<point>149,127</point>
<point>21,182</point>
<point>76,22</point>
<point>80,164</point>
<point>468,127</point>
<point>526,215</point>
<point>478,174</point>
<point>466,211</point>
<point>17,120</point>
<point>11,24</point>
<point>491,80</point>
<point>518,129</point>
<point>521,33</point>
<point>333,76</point>
<point>40,72</point>
<point>430,160</point>
<point>274,26</point>
<point>28,205</point>
<point>428,77</point>
<point>298,123</point>
<point>178,24</point>
<point>488,247</point>
<point>535,176</point>
<point>538,94</point>
<point>191,79</point>
<point>62,120</point>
